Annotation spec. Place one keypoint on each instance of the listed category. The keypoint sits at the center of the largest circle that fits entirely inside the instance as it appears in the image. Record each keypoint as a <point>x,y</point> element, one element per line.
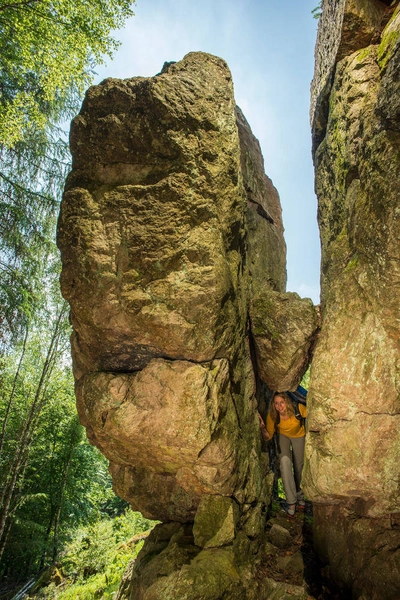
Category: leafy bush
<point>94,547</point>
<point>94,560</point>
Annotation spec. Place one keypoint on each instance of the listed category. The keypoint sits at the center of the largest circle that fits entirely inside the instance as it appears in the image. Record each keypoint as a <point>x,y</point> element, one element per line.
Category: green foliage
<point>61,479</point>
<point>48,48</point>
<point>317,11</point>
<point>102,585</point>
<point>31,177</point>
<point>93,547</point>
<point>51,479</point>
<point>305,382</point>
<point>97,556</point>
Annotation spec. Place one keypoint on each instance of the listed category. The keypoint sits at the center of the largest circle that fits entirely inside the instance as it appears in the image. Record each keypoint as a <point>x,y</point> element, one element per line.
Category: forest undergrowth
<point>93,562</point>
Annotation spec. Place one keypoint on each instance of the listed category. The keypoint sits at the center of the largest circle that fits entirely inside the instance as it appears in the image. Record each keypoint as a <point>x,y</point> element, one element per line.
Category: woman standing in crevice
<point>290,438</point>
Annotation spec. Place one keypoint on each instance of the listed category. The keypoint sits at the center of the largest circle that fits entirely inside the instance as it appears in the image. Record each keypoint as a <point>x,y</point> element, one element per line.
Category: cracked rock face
<point>175,420</point>
<point>168,227</point>
<point>352,469</point>
<point>155,209</point>
<point>345,27</point>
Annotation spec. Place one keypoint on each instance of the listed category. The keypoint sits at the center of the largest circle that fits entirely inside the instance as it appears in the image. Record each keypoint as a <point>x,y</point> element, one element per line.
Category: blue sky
<point>269,47</point>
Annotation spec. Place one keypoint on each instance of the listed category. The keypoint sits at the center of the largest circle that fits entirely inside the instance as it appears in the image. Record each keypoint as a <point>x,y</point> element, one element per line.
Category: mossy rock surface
<point>215,521</point>
<point>352,450</point>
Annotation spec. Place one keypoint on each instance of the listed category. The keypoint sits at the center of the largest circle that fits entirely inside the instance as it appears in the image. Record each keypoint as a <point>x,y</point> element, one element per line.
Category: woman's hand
<point>263,429</point>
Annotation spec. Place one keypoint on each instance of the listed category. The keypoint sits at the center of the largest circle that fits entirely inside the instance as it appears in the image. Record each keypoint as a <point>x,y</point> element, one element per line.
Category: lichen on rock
<point>152,220</point>
<point>175,419</point>
<point>352,451</point>
<point>285,329</point>
<point>215,522</point>
<point>168,228</point>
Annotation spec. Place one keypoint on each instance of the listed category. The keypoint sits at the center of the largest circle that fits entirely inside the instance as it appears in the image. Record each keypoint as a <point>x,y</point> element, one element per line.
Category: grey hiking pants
<point>291,461</point>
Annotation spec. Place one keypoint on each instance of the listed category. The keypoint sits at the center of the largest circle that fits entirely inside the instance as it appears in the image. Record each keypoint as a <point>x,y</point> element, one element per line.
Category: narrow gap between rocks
<point>289,553</point>
<point>289,556</point>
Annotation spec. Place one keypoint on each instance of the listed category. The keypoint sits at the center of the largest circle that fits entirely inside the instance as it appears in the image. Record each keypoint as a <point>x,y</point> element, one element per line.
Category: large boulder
<point>171,428</point>
<point>352,469</point>
<point>168,227</point>
<point>285,328</point>
<point>152,223</point>
<point>266,251</point>
<point>153,239</point>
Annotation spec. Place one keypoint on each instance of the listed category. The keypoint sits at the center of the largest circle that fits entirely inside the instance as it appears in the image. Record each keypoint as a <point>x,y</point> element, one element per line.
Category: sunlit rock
<point>152,223</point>
<point>168,228</point>
<point>266,251</point>
<point>171,428</point>
<point>352,470</point>
<point>284,329</point>
<point>345,26</point>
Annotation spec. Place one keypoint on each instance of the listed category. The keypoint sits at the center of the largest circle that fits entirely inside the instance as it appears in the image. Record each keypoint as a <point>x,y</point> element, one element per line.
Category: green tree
<point>35,392</point>
<point>48,52</point>
<point>31,178</point>
<point>50,477</point>
<point>52,480</point>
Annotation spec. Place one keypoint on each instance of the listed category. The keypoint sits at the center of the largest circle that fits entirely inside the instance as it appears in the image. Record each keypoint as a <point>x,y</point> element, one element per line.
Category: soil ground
<point>297,563</point>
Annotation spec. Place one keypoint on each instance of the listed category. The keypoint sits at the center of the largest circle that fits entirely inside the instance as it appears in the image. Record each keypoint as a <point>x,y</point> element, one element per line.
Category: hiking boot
<point>301,504</point>
<point>290,510</point>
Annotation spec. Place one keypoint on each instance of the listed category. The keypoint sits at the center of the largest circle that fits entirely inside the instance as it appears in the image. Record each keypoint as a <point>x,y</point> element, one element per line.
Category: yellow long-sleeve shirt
<point>292,427</point>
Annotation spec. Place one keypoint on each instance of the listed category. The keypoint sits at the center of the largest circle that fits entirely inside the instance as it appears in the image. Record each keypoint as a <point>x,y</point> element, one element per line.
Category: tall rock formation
<point>352,468</point>
<point>171,237</point>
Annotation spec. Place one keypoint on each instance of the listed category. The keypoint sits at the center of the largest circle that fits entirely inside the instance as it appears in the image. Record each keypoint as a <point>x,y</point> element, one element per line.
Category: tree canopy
<point>49,474</point>
<point>48,51</point>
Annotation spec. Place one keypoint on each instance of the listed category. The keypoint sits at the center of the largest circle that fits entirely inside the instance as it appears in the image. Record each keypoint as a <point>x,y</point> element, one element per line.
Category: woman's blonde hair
<point>289,406</point>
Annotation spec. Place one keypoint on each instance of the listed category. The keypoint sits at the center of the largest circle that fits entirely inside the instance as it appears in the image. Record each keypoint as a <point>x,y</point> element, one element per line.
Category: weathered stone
<point>352,468</point>
<point>284,328</point>
<point>156,543</point>
<point>266,253</point>
<point>153,238</point>
<point>168,226</point>
<point>171,428</point>
<point>274,590</point>
<point>279,536</point>
<point>370,548</point>
<point>254,519</point>
<point>269,549</point>
<point>211,574</point>
<point>355,370</point>
<point>180,570</point>
<point>292,562</point>
<point>344,27</point>
<point>296,563</point>
<point>215,522</point>
<point>152,223</point>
